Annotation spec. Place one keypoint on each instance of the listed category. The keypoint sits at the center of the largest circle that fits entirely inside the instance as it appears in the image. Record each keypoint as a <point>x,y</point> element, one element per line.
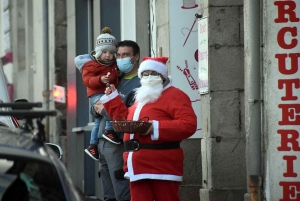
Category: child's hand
<point>105,78</point>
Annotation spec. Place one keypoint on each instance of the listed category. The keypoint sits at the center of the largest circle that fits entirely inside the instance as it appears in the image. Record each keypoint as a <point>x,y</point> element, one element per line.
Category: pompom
<point>106,30</point>
<point>105,41</point>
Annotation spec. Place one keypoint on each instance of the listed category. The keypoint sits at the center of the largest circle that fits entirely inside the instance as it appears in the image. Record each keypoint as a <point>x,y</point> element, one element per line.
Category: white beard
<point>148,93</point>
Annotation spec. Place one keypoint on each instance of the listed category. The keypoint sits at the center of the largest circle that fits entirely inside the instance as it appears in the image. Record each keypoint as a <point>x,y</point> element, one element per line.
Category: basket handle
<point>117,115</point>
<point>145,117</point>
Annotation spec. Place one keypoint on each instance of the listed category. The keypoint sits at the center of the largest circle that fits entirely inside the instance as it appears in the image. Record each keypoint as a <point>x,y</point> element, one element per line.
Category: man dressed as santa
<point>153,161</point>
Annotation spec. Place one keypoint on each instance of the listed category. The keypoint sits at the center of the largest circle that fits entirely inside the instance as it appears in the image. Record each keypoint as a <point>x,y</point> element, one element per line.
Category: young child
<point>98,69</point>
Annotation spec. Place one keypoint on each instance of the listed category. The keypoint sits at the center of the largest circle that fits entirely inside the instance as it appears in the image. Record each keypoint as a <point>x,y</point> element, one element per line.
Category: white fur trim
<point>137,112</point>
<point>155,134</point>
<point>153,65</point>
<point>134,177</point>
<point>168,177</point>
<point>136,115</point>
<point>129,164</point>
<point>137,177</point>
<point>105,98</point>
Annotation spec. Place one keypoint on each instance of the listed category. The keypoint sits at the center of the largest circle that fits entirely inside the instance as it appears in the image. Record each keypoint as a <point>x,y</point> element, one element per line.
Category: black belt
<point>134,145</point>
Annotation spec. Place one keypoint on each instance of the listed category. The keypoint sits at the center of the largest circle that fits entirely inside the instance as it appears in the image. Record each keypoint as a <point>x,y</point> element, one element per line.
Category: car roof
<point>15,143</point>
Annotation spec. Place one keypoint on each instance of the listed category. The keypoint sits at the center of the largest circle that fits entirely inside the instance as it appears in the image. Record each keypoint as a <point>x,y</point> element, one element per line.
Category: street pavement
<point>92,198</point>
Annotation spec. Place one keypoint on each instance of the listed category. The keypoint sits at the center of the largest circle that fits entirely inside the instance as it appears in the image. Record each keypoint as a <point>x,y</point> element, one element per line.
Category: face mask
<point>151,80</point>
<point>125,64</point>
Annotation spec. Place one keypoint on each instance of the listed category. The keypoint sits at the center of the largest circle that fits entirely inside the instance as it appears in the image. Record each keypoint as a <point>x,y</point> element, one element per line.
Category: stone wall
<point>60,55</point>
<point>223,144</point>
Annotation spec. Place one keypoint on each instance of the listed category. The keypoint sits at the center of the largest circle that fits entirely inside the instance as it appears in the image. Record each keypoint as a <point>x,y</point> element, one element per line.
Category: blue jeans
<point>94,134</point>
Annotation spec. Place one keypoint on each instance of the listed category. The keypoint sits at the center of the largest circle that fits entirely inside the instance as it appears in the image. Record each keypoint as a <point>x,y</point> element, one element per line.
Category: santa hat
<point>157,64</point>
<point>105,41</point>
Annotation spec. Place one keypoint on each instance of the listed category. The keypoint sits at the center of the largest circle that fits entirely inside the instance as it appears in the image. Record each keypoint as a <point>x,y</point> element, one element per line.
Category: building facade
<point>29,53</point>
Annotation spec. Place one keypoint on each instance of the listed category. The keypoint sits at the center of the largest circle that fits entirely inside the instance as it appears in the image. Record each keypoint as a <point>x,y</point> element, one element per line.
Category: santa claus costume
<point>154,163</point>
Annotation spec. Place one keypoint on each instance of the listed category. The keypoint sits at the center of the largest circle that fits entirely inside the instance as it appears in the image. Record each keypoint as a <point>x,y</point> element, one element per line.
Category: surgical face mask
<point>151,80</point>
<point>125,64</point>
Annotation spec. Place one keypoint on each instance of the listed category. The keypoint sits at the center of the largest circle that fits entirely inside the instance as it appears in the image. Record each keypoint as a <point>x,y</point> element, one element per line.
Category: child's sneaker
<point>111,136</point>
<point>92,151</point>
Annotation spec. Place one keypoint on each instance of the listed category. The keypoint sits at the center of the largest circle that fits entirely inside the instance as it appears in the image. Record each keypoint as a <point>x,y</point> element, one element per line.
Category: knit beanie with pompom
<point>105,41</point>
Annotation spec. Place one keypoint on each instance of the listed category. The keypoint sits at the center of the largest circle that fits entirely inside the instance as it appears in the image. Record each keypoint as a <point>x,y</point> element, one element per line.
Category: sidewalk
<point>92,198</point>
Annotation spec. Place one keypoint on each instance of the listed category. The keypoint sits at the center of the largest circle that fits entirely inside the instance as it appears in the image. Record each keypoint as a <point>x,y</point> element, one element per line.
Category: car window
<point>31,180</point>
<point>6,121</point>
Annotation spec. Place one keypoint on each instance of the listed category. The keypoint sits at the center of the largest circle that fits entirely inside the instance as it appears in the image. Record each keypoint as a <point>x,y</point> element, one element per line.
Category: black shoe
<point>92,151</point>
<point>111,136</point>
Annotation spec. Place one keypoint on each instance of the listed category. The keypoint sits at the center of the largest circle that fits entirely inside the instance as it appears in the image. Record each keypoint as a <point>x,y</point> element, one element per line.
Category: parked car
<point>30,168</point>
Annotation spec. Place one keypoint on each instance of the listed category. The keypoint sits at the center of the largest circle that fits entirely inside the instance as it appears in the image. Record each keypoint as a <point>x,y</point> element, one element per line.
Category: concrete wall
<point>223,143</point>
<point>58,28</point>
<point>162,26</point>
<point>142,26</point>
<point>20,19</point>
<point>135,19</point>
<point>27,43</point>
<point>192,175</point>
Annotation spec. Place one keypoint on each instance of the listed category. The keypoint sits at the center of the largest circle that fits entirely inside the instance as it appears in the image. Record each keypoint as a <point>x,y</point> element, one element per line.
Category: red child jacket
<point>92,72</point>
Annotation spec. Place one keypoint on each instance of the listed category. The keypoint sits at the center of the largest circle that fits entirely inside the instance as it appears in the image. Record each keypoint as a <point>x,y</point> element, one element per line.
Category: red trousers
<point>151,189</point>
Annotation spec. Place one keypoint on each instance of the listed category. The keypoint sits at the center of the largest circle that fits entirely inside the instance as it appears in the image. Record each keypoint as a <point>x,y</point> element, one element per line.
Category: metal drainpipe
<point>90,36</point>
<point>46,92</point>
<point>255,180</point>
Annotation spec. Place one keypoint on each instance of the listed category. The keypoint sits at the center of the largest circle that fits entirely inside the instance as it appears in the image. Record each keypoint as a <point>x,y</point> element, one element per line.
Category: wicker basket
<point>126,126</point>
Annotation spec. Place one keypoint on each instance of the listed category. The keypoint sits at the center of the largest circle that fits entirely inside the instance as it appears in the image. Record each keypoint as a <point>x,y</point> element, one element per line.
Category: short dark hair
<point>129,43</point>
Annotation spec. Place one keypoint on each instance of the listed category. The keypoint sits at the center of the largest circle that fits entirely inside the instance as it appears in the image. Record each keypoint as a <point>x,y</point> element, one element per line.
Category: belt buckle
<point>135,145</point>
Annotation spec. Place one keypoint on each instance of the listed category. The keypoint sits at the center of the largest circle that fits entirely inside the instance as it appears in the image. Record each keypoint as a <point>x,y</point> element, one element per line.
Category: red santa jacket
<point>173,120</point>
<point>92,71</point>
